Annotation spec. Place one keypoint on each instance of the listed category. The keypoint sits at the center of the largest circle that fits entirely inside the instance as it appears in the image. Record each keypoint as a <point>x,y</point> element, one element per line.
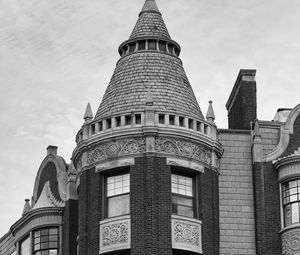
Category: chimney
<point>52,150</point>
<point>241,105</point>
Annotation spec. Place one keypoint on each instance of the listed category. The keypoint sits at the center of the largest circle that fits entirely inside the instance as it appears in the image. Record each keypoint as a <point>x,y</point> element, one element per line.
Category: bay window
<point>182,195</point>
<point>117,195</point>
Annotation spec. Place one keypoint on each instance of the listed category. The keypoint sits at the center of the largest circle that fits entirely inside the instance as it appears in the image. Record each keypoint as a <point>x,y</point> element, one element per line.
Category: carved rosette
<point>115,234</point>
<point>187,234</point>
<point>116,148</point>
<point>291,243</point>
<point>182,148</point>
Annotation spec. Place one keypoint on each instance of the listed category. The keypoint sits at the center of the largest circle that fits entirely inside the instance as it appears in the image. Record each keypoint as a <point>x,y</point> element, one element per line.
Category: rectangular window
<point>138,119</point>
<point>152,45</point>
<point>171,120</point>
<point>181,121</point>
<point>182,195</point>
<point>117,194</point>
<point>128,120</point>
<point>118,121</point>
<point>161,118</point>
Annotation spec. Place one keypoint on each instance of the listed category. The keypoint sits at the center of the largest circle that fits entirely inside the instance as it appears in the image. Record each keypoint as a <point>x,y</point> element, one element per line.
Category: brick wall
<point>151,207</point>
<point>89,212</point>
<point>209,211</point>
<point>70,227</point>
<point>237,223</point>
<point>242,105</point>
<point>267,209</point>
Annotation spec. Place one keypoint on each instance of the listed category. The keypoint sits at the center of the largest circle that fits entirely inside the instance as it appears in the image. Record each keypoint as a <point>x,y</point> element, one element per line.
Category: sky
<point>56,56</point>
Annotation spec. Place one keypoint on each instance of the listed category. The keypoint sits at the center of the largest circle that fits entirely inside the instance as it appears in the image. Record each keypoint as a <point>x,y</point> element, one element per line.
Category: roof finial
<point>88,113</point>
<point>27,207</point>
<point>210,116</point>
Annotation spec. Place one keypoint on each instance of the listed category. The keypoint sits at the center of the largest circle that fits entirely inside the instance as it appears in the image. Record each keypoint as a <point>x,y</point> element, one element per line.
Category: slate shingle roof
<point>160,73</point>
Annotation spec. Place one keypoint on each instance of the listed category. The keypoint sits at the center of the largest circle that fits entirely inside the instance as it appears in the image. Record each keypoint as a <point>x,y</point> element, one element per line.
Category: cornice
<point>36,213</point>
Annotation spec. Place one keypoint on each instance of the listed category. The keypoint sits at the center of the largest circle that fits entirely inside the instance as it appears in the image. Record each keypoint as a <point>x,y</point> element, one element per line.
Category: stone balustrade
<point>140,119</point>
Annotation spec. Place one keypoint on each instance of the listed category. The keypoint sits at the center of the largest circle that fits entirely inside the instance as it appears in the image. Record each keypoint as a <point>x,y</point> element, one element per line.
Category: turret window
<point>142,45</point>
<point>291,202</point>
<point>152,45</point>
<point>162,46</point>
<point>117,193</point>
<point>182,195</point>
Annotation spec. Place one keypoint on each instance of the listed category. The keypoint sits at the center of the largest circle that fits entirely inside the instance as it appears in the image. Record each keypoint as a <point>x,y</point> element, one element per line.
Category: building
<point>151,175</point>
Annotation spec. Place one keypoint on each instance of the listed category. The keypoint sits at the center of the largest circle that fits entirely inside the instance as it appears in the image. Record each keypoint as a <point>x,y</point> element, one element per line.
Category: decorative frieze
<point>182,148</point>
<point>114,234</point>
<point>117,148</point>
<point>186,234</point>
<point>291,243</point>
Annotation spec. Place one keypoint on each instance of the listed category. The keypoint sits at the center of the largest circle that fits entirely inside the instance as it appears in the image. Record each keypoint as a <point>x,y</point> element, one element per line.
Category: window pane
<point>295,213</point>
<point>25,246</point>
<point>185,211</point>
<point>118,205</point>
<point>182,185</point>
<point>117,185</point>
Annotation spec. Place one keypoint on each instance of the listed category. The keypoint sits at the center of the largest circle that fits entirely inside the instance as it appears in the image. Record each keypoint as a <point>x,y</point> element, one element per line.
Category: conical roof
<point>141,72</point>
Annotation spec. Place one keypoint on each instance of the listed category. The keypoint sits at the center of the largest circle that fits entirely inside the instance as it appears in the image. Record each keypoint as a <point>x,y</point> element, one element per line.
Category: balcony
<point>115,234</point>
<point>186,234</point>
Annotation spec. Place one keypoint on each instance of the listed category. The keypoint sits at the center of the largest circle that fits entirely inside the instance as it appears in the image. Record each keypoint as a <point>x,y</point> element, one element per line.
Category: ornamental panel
<point>182,148</point>
<point>115,234</point>
<point>291,243</point>
<point>117,148</point>
<point>186,234</point>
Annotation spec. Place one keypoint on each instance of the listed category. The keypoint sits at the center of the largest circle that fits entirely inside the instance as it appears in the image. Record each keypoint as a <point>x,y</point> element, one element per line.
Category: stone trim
<point>115,234</point>
<point>186,234</point>
<point>285,132</point>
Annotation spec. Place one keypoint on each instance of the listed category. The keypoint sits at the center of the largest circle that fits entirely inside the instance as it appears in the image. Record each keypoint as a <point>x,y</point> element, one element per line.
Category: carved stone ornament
<point>187,234</point>
<point>291,243</point>
<point>183,148</point>
<point>117,148</point>
<point>115,234</point>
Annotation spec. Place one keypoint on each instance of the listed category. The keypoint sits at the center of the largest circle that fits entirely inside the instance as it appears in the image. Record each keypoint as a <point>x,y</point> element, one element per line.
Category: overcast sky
<point>55,56</point>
